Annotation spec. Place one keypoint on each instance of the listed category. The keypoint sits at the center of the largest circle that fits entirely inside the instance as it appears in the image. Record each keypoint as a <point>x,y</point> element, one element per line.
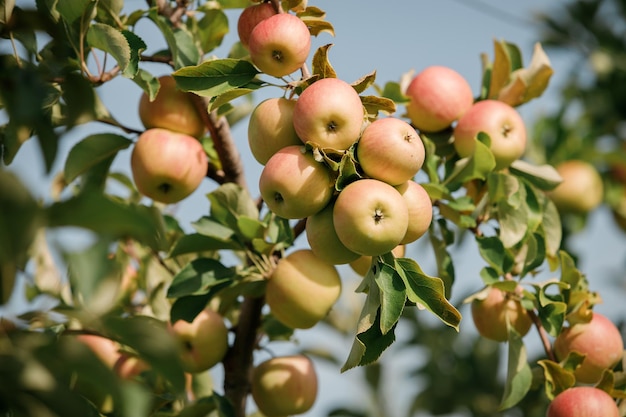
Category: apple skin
<point>490,316</point>
<point>581,190</point>
<point>203,342</point>
<point>294,185</point>
<point>371,217</point>
<point>168,166</point>
<point>420,210</point>
<point>600,340</point>
<point>302,289</point>
<point>171,109</point>
<point>583,402</point>
<point>128,366</point>
<point>284,386</point>
<point>390,150</point>
<point>107,350</point>
<point>363,264</point>
<point>271,128</point>
<point>501,122</point>
<point>323,239</point>
<point>330,113</point>
<point>438,97</point>
<point>250,17</point>
<point>280,44</point>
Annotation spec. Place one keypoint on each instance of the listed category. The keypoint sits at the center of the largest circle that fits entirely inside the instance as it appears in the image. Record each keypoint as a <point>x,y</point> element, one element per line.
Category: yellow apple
<point>491,314</point>
<point>581,190</point>
<point>420,210</point>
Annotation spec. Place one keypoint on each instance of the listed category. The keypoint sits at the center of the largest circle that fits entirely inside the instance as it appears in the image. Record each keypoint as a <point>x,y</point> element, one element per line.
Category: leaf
<point>392,295</point>
<point>114,42</point>
<point>231,95</point>
<point>216,77</point>
<point>551,227</point>
<point>544,177</point>
<point>103,215</point>
<point>211,29</point>
<point>477,166</point>
<point>229,202</point>
<point>364,82</point>
<point>375,104</point>
<point>197,243</point>
<point>320,63</point>
<point>313,17</point>
<point>427,291</point>
<point>199,276</point>
<point>393,91</point>
<point>90,151</point>
<point>137,45</point>
<point>519,375</point>
<point>492,250</point>
<point>179,41</point>
<point>557,379</point>
<point>500,70</point>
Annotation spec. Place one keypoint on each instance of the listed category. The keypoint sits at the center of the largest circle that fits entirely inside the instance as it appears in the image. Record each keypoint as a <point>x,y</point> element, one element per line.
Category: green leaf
<point>216,77</point>
<point>199,276</point>
<point>392,295</point>
<point>519,376</point>
<point>211,29</point>
<point>111,40</point>
<point>72,10</point>
<point>89,269</point>
<point>229,202</point>
<point>179,41</point>
<point>477,166</point>
<point>393,91</point>
<point>374,104</point>
<point>188,307</point>
<point>369,345</point>
<point>364,82</point>
<point>320,63</point>
<point>137,46</point>
<point>544,177</point>
<point>91,151</point>
<point>551,228</point>
<point>197,243</point>
<point>231,95</point>
<point>108,217</point>
<point>427,291</point>
<point>557,379</point>
<point>148,83</point>
<point>492,250</point>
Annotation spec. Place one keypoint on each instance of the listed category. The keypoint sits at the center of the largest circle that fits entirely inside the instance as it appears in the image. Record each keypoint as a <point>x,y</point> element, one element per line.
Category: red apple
<point>168,166</point>
<point>583,402</point>
<point>438,97</point>
<point>390,150</point>
<point>371,217</point>
<point>294,185</point>
<point>107,350</point>
<point>302,289</point>
<point>129,366</point>
<point>323,239</point>
<point>271,128</point>
<point>420,210</point>
<point>250,17</point>
<point>284,386</point>
<point>329,113</point>
<point>501,122</point>
<point>171,109</point>
<point>280,44</point>
<point>203,342</point>
<point>363,264</point>
<point>491,314</point>
<point>581,190</point>
<point>599,340</point>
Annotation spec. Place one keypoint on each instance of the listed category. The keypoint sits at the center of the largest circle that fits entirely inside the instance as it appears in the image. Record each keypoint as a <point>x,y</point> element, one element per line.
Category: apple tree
<point>135,320</point>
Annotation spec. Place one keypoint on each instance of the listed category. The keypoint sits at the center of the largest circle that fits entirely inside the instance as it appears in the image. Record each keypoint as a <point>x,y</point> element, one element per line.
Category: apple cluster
<point>168,161</point>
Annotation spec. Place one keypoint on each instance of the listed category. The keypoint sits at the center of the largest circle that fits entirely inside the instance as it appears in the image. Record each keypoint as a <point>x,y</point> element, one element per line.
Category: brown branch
<point>543,335</point>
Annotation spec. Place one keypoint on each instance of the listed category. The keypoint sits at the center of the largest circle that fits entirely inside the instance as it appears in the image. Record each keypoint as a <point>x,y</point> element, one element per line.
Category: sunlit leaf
<point>519,375</point>
<point>92,150</point>
<point>392,295</point>
<point>199,276</point>
<point>320,63</point>
<point>114,42</point>
<point>557,379</point>
<point>216,77</point>
<point>544,177</point>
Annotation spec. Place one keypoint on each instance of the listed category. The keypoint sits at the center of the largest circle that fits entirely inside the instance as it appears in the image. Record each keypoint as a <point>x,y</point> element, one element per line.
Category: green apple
<point>171,109</point>
<point>371,217</point>
<point>279,44</point>
<point>294,185</point>
<point>250,17</point>
<point>390,150</point>
<point>491,314</point>
<point>599,340</point>
<point>284,386</point>
<point>583,401</point>
<point>203,342</point>
<point>271,128</point>
<point>438,96</point>
<point>503,124</point>
<point>302,289</point>
<point>363,264</point>
<point>330,113</point>
<point>420,210</point>
<point>168,166</point>
<point>323,239</point>
<point>581,190</point>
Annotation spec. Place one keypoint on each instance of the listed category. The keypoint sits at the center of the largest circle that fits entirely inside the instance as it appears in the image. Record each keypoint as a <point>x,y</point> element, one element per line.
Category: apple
<point>618,211</point>
<point>171,109</point>
<point>583,402</point>
<point>323,239</point>
<point>438,96</point>
<point>363,264</point>
<point>294,185</point>
<point>302,289</point>
<point>390,150</point>
<point>330,113</point>
<point>279,44</point>
<point>203,342</point>
<point>271,128</point>
<point>599,340</point>
<point>250,17</point>
<point>420,210</point>
<point>581,190</point>
<point>284,386</point>
<point>128,366</point>
<point>167,166</point>
<point>501,122</point>
<point>371,217</point>
<point>107,350</point>
<point>491,314</point>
